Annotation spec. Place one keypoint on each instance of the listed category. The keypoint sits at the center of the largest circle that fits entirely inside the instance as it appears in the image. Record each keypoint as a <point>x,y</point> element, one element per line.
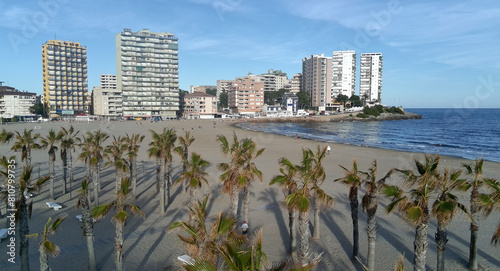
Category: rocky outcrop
<point>339,118</point>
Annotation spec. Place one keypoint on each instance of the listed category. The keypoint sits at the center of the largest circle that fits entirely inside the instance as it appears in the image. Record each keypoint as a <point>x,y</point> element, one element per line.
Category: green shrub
<point>362,115</point>
<point>14,119</point>
<point>395,110</point>
<point>379,108</point>
<point>372,111</point>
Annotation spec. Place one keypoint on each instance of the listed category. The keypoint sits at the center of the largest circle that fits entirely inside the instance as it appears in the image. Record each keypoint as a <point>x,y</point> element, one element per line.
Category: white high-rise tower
<point>370,86</point>
<point>343,73</point>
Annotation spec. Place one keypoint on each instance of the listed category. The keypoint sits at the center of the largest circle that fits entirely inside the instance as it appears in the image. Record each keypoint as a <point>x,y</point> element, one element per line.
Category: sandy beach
<point>150,246</point>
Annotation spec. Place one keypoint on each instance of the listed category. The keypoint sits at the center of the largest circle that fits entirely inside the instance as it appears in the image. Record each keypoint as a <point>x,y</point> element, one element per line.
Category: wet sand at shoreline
<point>150,246</point>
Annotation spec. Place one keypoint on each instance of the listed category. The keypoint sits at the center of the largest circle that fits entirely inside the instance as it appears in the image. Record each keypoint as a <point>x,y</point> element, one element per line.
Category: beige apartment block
<point>370,86</point>
<point>317,80</point>
<point>274,80</point>
<point>107,102</point>
<point>296,83</point>
<point>65,86</point>
<point>246,96</point>
<point>199,104</point>
<point>147,70</point>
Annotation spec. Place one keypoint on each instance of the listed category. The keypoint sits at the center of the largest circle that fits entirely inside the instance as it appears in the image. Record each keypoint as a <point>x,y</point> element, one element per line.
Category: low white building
<point>15,103</point>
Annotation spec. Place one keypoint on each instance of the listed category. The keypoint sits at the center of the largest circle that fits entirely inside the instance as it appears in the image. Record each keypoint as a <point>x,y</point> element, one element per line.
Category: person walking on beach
<point>328,149</point>
<point>244,227</point>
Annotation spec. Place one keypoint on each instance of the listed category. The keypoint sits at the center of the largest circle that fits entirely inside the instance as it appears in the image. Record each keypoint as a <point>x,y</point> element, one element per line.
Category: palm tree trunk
<point>304,237</point>
<point>88,231</point>
<point>23,233</point>
<point>420,247</point>
<point>441,240</point>
<point>158,176</point>
<point>474,227</point>
<point>95,176</point>
<point>70,170</point>
<point>52,174</point>
<point>246,201</point>
<point>184,168</point>
<point>162,187</point>
<point>98,173</point>
<point>133,176</point>
<point>65,169</point>
<point>291,227</point>
<point>119,246</point>
<point>44,259</point>
<point>233,201</point>
<point>169,183</point>
<point>353,197</point>
<point>118,176</point>
<point>371,232</point>
<point>371,225</point>
<point>317,208</point>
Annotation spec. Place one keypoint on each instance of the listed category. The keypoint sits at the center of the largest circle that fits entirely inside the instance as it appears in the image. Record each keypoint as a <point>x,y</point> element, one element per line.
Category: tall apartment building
<point>246,96</point>
<point>147,65</point>
<point>317,80</point>
<point>370,86</point>
<point>14,102</point>
<point>65,87</point>
<point>108,81</point>
<point>343,73</point>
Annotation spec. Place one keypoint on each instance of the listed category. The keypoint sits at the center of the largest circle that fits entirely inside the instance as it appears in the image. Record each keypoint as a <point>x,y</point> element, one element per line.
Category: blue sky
<point>436,53</point>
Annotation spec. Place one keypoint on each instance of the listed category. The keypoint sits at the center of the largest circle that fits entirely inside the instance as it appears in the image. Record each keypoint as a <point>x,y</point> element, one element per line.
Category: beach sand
<point>150,246</point>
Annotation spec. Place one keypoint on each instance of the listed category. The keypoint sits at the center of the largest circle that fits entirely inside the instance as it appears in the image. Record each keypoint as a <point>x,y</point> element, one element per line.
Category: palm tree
<point>318,176</point>
<point>92,153</point>
<point>183,152</point>
<point>415,206</point>
<point>444,209</point>
<point>5,136</point>
<point>50,141</point>
<point>23,211</point>
<point>288,181</point>
<point>194,175</point>
<point>476,182</point>
<point>132,143</point>
<point>87,223</point>
<point>161,148</point>
<point>46,246</point>
<point>114,154</point>
<point>300,200</point>
<point>119,218</point>
<point>353,181</point>
<point>231,172</point>
<point>202,239</point>
<point>369,203</point>
<point>25,142</point>
<point>250,172</point>
<point>68,143</point>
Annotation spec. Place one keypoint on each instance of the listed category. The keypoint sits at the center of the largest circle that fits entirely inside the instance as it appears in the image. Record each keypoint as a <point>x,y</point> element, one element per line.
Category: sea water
<point>466,133</point>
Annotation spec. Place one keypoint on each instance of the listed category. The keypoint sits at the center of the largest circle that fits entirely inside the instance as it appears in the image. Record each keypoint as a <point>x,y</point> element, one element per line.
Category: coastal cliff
<point>339,118</point>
